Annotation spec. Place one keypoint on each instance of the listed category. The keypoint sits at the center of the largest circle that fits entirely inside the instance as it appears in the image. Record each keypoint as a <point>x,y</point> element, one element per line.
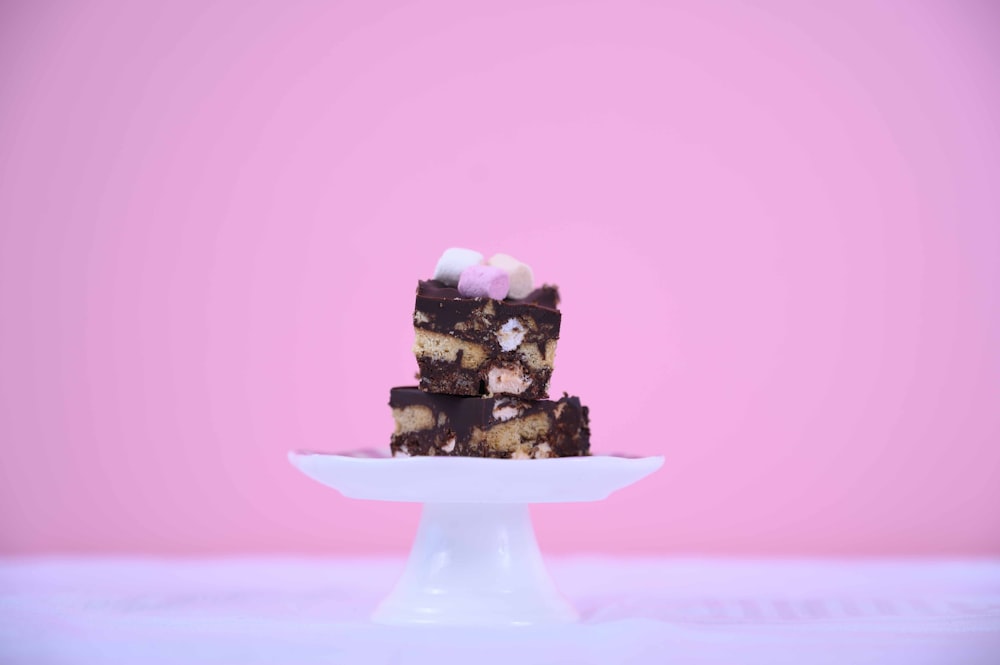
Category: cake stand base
<point>475,561</point>
<point>475,565</point>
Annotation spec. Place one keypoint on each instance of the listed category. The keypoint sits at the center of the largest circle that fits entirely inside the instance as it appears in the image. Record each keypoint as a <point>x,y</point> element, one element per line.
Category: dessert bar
<point>432,424</point>
<point>483,346</point>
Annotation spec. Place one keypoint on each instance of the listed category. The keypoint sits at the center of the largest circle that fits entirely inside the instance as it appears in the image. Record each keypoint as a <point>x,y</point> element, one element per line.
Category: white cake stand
<point>475,560</point>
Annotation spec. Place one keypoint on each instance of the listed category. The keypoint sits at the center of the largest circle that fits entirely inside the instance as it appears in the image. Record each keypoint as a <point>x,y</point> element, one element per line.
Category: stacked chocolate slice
<point>485,361</point>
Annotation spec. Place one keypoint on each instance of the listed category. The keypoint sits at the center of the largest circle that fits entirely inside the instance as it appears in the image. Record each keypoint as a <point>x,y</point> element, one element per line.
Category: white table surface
<point>255,610</point>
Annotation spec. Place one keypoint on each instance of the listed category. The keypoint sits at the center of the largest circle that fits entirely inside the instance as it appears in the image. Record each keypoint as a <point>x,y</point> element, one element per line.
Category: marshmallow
<point>479,281</point>
<point>453,262</point>
<point>522,282</point>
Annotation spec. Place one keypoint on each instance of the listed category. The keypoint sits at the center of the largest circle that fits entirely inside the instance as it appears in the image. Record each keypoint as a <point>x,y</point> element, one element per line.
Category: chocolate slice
<point>434,424</point>
<point>480,346</point>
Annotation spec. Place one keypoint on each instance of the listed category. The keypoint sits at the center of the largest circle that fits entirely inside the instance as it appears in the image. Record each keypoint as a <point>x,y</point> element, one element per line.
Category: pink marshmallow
<point>480,281</point>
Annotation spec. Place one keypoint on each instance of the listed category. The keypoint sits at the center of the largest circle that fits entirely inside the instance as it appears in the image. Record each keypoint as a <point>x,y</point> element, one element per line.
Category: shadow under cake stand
<point>475,560</point>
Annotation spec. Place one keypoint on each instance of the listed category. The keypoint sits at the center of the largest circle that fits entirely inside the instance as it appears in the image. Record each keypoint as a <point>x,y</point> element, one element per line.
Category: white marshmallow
<point>453,262</point>
<point>510,335</point>
<point>522,281</point>
<point>509,380</point>
<point>504,411</point>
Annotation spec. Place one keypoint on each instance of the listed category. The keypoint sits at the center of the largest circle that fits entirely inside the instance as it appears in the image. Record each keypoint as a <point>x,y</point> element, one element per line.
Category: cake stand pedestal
<point>475,560</point>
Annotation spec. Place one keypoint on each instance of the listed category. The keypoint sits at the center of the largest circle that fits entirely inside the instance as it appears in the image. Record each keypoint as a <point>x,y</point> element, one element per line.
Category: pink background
<point>776,227</point>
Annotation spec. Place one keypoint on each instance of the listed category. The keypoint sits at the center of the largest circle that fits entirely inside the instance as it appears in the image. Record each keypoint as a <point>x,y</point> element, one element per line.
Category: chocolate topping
<point>546,296</point>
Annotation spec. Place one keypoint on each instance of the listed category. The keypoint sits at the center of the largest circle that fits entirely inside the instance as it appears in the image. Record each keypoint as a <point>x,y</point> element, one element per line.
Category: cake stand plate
<point>475,560</point>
